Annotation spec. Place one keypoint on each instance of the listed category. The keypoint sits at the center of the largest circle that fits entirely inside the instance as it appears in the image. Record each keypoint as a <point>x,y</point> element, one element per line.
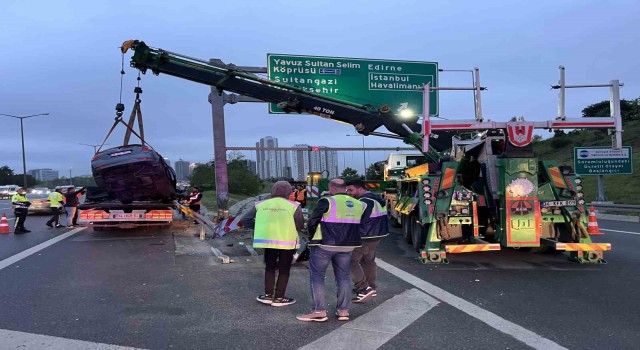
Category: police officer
<point>21,206</point>
<point>56,200</point>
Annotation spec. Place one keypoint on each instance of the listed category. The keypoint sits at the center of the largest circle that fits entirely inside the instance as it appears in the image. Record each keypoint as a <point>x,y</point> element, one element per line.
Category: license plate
<point>121,153</point>
<point>127,216</point>
<point>559,203</point>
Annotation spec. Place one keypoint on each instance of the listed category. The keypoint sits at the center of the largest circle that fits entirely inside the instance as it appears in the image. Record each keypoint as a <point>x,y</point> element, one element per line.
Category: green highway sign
<point>358,80</point>
<point>602,160</point>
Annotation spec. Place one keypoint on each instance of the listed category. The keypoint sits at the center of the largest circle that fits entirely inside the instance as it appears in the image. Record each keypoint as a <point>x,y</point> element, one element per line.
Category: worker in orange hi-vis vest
<point>301,196</point>
<point>293,195</point>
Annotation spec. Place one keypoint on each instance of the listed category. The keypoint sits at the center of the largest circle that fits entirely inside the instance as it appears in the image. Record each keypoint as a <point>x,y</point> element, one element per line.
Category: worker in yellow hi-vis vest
<point>276,222</point>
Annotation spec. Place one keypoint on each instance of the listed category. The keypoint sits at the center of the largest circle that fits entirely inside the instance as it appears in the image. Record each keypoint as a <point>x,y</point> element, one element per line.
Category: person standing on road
<point>374,227</point>
<point>276,223</point>
<point>21,208</point>
<point>195,199</point>
<point>294,193</point>
<point>301,196</point>
<point>72,201</point>
<point>56,200</point>
<point>334,229</point>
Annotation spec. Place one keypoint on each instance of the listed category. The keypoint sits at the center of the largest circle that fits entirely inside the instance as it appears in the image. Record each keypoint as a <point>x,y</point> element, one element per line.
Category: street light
<point>95,150</point>
<point>364,155</point>
<point>24,162</point>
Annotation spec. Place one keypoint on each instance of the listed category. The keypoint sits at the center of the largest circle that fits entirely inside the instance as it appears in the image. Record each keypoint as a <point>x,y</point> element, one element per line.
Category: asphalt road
<point>161,289</point>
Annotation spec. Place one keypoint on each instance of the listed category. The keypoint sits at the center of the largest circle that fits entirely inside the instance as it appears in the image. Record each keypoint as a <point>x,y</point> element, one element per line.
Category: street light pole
<point>24,161</point>
<point>95,150</point>
<point>364,156</point>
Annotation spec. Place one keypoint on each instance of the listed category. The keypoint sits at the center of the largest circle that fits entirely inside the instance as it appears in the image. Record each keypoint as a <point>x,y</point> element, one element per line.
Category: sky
<point>62,57</point>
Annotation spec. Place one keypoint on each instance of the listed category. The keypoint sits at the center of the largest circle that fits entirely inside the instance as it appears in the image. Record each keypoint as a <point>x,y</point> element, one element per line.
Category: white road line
<point>22,340</point>
<point>378,326</point>
<point>522,334</point>
<point>25,253</point>
<point>629,232</point>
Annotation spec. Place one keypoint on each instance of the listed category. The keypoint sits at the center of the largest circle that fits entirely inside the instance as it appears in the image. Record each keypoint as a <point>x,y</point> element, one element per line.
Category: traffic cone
<point>4,225</point>
<point>592,225</point>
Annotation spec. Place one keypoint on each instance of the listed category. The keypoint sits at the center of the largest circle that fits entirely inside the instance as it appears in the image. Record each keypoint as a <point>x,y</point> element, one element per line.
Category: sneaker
<point>70,226</point>
<point>363,295</point>
<point>284,301</point>
<point>316,316</point>
<point>265,299</point>
<point>49,224</point>
<point>59,226</point>
<point>25,230</point>
<point>342,315</point>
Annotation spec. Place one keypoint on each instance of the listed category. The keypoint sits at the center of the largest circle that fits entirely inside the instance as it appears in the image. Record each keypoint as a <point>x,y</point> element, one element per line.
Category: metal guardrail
<point>626,208</point>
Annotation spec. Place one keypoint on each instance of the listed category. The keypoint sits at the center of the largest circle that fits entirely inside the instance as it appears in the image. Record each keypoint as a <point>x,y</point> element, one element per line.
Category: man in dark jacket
<point>71,202</point>
<point>373,228</point>
<point>334,229</point>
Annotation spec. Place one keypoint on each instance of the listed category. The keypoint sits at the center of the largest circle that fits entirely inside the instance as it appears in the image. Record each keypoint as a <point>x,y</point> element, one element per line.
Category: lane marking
<point>378,326</point>
<point>25,253</point>
<point>22,340</point>
<point>520,333</point>
<point>629,232</point>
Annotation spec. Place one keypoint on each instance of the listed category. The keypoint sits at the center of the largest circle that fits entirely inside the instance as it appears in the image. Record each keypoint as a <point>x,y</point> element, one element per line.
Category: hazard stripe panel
<point>447,180</point>
<point>470,248</point>
<point>584,247</point>
<point>556,176</point>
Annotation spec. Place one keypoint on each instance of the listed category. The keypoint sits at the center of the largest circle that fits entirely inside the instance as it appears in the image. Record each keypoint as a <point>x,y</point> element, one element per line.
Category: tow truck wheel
<point>406,229</point>
<point>418,234</point>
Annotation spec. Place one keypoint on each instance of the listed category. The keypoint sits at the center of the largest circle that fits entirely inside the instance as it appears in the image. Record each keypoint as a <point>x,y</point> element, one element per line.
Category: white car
<point>8,190</point>
<point>40,190</point>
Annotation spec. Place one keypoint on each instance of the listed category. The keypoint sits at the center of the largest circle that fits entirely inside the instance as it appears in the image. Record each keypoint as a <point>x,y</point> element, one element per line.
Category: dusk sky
<point>62,57</point>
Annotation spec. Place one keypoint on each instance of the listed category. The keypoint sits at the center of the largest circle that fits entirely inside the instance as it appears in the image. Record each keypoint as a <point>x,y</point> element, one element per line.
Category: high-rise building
<point>44,174</point>
<point>325,160</point>
<point>271,163</point>
<point>182,170</point>
<point>192,166</point>
<point>315,159</point>
<point>300,163</point>
<point>251,165</point>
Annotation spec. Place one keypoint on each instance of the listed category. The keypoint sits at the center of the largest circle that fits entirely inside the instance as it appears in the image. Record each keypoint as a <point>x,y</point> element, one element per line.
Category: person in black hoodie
<point>374,227</point>
<point>72,199</point>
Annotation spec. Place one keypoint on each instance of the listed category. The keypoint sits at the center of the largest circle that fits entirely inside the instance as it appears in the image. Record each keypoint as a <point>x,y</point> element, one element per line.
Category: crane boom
<point>365,118</point>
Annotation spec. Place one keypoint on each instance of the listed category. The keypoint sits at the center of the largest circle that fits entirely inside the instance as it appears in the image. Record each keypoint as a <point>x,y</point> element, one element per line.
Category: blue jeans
<point>318,264</point>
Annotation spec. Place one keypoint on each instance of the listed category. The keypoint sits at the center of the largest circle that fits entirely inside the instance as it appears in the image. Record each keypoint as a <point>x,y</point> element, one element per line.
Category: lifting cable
<point>135,112</point>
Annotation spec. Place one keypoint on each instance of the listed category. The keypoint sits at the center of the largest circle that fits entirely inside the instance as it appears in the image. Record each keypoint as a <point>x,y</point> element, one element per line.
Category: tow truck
<point>488,192</point>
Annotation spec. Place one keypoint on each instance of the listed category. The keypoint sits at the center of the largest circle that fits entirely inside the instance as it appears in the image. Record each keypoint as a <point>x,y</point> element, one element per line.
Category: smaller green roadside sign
<point>602,160</point>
